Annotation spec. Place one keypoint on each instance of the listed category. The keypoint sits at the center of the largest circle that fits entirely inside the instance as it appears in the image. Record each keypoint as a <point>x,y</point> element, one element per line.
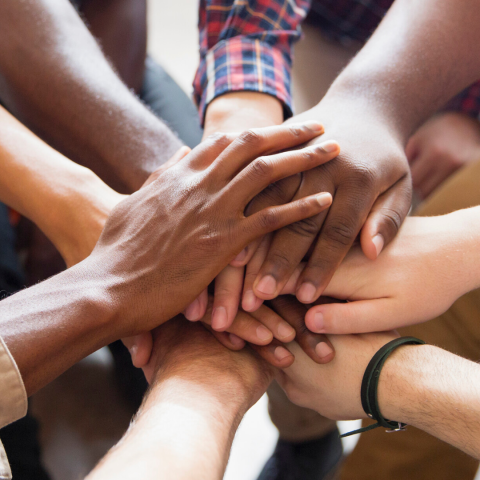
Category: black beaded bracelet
<point>370,385</point>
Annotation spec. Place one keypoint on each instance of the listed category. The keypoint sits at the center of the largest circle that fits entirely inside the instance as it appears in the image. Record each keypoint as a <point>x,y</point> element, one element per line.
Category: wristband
<point>370,384</point>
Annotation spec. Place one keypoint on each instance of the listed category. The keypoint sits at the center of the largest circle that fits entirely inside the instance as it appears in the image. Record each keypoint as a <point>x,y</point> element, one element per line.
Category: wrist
<point>364,100</point>
<point>224,388</point>
<point>405,382</point>
<point>463,229</point>
<point>238,111</point>
<point>77,215</point>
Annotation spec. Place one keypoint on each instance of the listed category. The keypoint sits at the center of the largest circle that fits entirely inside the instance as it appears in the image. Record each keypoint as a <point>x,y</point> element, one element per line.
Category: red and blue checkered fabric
<point>247,44</point>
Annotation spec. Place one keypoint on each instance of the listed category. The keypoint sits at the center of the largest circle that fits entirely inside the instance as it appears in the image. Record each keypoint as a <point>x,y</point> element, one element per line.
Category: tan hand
<point>440,147</point>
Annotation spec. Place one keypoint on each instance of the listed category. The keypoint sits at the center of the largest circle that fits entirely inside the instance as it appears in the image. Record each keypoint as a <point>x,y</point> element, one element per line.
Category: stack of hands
<point>262,298</point>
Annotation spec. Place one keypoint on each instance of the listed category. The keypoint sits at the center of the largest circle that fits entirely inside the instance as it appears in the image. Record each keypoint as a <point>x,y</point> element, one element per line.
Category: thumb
<point>363,316</point>
<point>140,348</point>
<point>386,218</point>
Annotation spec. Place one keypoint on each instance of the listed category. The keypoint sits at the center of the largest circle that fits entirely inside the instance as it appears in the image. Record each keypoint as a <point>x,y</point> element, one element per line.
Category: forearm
<point>239,111</point>
<point>184,430</point>
<point>56,323</point>
<point>66,91</point>
<point>419,57</point>
<point>60,196</point>
<point>435,391</point>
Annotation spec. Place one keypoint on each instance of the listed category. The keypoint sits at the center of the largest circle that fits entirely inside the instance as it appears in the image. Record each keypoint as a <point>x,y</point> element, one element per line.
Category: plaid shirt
<point>247,44</point>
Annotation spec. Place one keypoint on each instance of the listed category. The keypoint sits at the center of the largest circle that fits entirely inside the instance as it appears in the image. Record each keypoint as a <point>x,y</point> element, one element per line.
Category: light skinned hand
<point>430,264</point>
<point>444,144</point>
<point>188,348</point>
<point>333,389</point>
<point>258,329</point>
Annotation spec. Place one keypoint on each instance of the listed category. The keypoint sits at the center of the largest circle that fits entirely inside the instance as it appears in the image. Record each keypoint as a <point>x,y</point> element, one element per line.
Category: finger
<point>248,328</point>
<point>421,169</point>
<point>291,286</point>
<point>277,193</point>
<point>140,348</point>
<point>338,233</point>
<point>262,141</point>
<point>274,218</point>
<point>355,317</point>
<point>228,288</point>
<point>386,217</point>
<point>245,327</point>
<point>203,155</point>
<point>250,302</point>
<point>266,170</point>
<point>316,346</point>
<point>229,340</point>
<point>280,328</point>
<point>181,153</point>
<point>196,310</point>
<point>291,244</point>
<point>275,354</point>
<point>412,150</point>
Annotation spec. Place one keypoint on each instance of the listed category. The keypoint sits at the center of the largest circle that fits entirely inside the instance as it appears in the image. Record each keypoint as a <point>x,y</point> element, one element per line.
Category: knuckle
<point>219,138</point>
<point>280,260</point>
<point>339,233</point>
<point>251,137</point>
<point>295,131</point>
<point>309,155</point>
<point>392,220</point>
<point>269,220</point>
<point>307,227</point>
<point>261,168</point>
<point>363,177</point>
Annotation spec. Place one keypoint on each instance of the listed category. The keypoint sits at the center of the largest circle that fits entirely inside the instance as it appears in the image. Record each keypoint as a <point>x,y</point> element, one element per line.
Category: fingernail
<point>263,333</point>
<point>249,300</point>
<point>281,353</point>
<point>284,331</point>
<point>379,242</point>
<point>133,351</point>
<point>317,127</point>
<point>236,341</point>
<point>323,349</point>
<point>306,293</point>
<point>324,199</point>
<point>318,322</point>
<point>241,256</point>
<point>192,312</point>
<point>267,285</point>
<point>219,318</point>
<point>330,146</point>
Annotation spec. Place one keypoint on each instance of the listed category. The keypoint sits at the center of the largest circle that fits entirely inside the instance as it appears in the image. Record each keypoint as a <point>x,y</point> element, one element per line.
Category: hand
<point>440,147</point>
<point>156,271</point>
<point>319,387</point>
<point>370,182</point>
<point>431,263</point>
<point>188,351</point>
<point>228,284</point>
<point>259,328</point>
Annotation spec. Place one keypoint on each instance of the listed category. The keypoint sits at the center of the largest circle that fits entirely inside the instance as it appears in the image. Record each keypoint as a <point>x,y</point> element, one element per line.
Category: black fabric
<point>170,103</point>
<point>312,460</point>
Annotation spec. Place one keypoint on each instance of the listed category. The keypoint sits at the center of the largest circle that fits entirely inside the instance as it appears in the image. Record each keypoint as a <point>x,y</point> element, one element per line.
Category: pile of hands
<point>280,305</point>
